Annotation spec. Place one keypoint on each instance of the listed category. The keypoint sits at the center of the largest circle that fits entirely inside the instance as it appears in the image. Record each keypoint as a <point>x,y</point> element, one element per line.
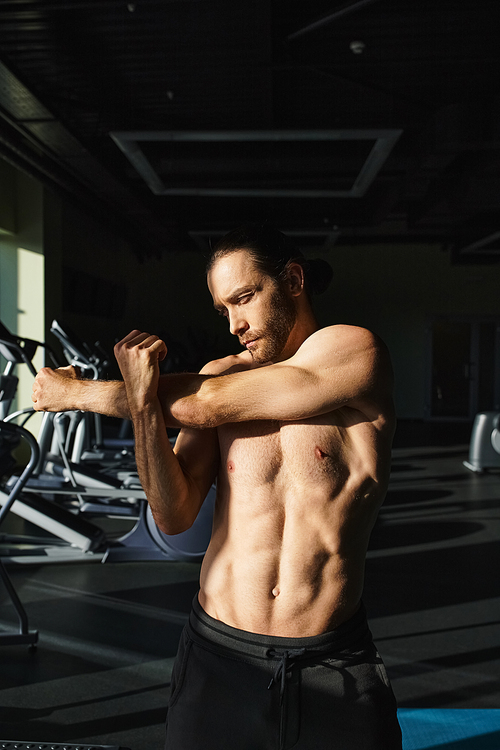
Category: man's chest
<point>262,451</point>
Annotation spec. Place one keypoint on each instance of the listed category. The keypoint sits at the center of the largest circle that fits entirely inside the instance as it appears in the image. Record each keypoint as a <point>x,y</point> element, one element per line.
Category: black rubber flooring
<point>109,632</point>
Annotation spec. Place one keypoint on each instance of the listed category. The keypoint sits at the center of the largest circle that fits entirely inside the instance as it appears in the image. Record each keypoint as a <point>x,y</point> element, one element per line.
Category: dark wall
<point>96,284</point>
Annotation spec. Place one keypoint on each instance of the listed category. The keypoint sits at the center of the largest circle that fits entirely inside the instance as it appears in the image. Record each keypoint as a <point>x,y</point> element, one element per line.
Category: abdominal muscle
<point>290,533</point>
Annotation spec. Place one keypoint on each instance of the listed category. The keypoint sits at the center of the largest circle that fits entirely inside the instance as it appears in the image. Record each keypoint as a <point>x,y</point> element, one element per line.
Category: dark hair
<point>272,252</point>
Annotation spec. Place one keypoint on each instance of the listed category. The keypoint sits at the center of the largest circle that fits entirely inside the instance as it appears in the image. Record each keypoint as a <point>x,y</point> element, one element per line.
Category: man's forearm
<point>62,390</point>
<point>179,394</point>
<point>173,498</point>
<point>107,397</point>
<point>175,491</point>
<point>175,391</point>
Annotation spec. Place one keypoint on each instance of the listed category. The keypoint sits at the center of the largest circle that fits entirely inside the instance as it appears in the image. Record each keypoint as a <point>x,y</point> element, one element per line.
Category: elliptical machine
<point>484,447</point>
<point>24,634</point>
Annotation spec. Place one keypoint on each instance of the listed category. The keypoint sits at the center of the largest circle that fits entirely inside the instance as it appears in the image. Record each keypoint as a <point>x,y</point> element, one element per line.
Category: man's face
<point>259,311</point>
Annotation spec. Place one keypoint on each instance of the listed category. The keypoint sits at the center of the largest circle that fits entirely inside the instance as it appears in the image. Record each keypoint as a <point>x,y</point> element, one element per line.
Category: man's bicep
<point>279,392</point>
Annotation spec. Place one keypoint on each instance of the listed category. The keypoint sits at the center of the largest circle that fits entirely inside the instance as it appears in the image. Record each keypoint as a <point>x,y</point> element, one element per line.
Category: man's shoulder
<point>229,364</point>
<point>342,337</point>
<point>337,345</point>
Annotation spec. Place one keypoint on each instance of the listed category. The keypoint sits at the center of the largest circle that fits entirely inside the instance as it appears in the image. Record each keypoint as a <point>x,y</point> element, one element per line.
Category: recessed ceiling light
<point>357,47</point>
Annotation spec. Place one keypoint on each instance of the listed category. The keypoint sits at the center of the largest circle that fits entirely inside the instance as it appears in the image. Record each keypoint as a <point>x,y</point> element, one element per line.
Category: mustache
<point>249,336</point>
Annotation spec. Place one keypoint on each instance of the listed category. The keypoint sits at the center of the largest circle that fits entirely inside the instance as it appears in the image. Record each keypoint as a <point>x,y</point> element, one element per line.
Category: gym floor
<point>108,633</point>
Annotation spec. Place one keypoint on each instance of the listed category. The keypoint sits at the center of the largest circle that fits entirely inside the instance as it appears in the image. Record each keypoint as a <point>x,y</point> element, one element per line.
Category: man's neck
<point>303,328</point>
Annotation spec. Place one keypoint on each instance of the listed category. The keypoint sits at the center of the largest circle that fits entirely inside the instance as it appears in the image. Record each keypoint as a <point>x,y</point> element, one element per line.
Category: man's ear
<point>295,278</point>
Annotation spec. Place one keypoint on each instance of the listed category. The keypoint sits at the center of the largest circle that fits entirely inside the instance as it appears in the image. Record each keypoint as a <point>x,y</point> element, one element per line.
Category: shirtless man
<point>297,431</point>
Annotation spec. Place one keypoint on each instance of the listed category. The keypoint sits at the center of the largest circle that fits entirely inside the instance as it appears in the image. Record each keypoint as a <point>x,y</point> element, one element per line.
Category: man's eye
<point>223,313</point>
<point>245,298</point>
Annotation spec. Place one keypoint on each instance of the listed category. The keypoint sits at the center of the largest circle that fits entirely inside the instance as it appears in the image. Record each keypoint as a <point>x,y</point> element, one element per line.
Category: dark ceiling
<point>355,121</point>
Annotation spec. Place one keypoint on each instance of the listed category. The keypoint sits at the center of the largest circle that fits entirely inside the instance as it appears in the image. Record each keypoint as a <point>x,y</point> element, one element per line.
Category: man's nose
<point>237,323</point>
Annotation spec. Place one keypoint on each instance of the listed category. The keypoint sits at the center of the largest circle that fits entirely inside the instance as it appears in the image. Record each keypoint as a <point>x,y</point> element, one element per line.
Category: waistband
<point>350,634</point>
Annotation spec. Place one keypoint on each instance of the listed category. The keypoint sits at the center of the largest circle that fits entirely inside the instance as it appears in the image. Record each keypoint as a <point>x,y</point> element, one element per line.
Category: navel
<point>275,592</point>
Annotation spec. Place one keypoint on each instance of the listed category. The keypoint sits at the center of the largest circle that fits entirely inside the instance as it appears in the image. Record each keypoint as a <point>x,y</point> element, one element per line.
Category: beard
<point>276,330</point>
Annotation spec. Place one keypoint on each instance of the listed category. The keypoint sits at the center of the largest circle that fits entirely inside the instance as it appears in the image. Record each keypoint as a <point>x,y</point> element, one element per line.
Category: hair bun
<point>319,275</point>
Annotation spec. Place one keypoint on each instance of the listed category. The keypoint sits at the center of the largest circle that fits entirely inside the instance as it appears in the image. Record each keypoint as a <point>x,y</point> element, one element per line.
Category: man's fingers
<point>159,347</point>
<point>134,337</point>
<point>37,391</point>
<point>143,340</point>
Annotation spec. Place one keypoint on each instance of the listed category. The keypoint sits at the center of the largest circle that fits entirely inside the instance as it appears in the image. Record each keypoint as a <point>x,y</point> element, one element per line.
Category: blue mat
<point>450,728</point>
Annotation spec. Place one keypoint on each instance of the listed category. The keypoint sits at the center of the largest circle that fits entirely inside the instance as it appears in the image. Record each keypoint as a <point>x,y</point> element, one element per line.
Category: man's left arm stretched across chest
<point>335,367</point>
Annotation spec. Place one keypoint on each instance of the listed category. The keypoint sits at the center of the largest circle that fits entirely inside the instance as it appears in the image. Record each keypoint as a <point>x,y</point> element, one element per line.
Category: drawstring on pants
<point>287,661</point>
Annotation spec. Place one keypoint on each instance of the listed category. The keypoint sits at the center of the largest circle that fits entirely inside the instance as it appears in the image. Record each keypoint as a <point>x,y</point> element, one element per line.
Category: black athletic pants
<point>233,690</point>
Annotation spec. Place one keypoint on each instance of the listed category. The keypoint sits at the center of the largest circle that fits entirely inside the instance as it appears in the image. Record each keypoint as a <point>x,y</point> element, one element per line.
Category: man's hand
<point>138,356</point>
<point>53,389</point>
